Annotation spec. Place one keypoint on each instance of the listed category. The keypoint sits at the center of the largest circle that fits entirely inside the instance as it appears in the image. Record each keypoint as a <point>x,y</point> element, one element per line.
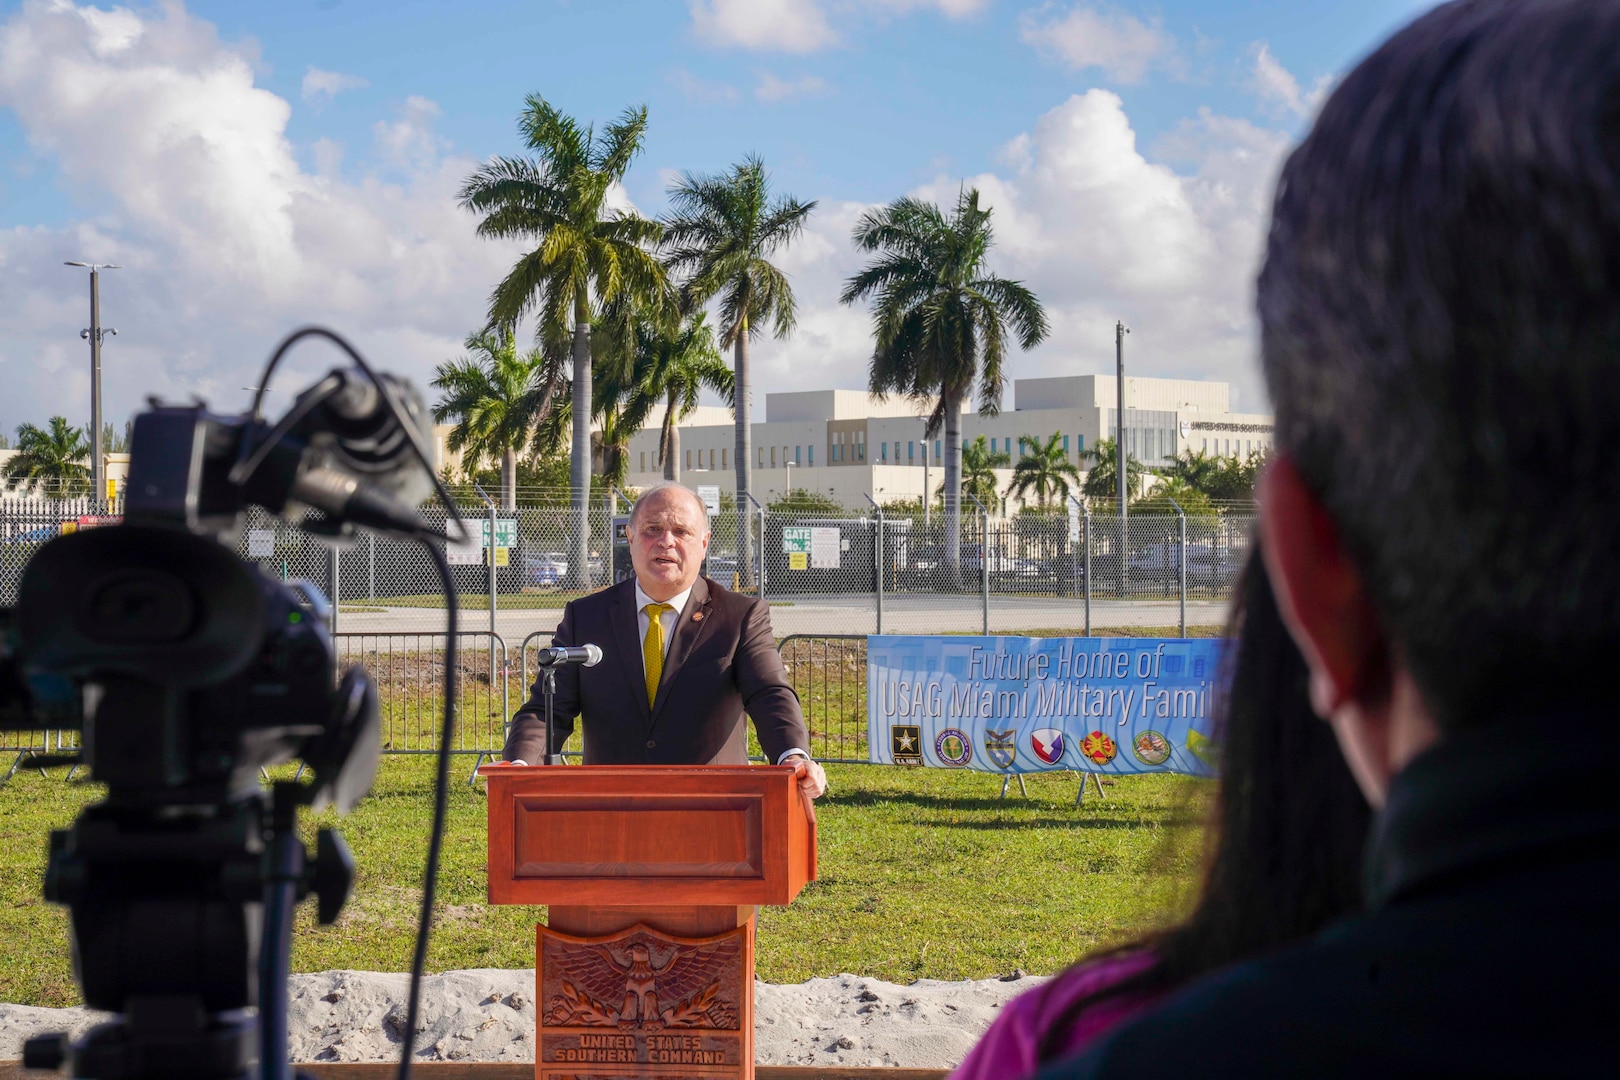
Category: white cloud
<point>1117,43</point>
<point>701,91</point>
<point>410,141</point>
<point>770,88</point>
<point>1277,88</point>
<point>1100,231</point>
<point>227,240</point>
<point>321,86</point>
<point>954,9</point>
<point>797,26</point>
<point>803,26</point>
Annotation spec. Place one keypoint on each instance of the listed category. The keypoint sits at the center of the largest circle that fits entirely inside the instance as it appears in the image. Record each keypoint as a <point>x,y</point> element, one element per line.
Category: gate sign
<point>797,540</point>
<point>505,532</point>
<point>1020,704</point>
<point>710,494</point>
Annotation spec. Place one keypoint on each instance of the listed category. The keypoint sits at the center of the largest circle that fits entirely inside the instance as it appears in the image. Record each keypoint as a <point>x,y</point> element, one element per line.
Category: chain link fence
<point>1065,569</point>
<point>833,576</point>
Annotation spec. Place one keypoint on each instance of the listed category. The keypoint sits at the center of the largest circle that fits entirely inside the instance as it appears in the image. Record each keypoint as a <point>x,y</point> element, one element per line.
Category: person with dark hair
<point>1440,330</point>
<point>1284,842</point>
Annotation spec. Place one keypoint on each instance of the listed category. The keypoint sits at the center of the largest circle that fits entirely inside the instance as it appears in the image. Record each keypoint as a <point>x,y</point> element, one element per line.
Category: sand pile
<point>488,1015</point>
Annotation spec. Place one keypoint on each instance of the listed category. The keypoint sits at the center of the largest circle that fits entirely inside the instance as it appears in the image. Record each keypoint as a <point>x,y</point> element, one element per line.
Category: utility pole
<point>1120,330</point>
<point>926,501</point>
<point>94,333</point>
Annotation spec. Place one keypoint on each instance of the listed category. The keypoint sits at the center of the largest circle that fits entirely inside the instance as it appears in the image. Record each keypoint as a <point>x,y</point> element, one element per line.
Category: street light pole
<point>1120,330</point>
<point>98,461</point>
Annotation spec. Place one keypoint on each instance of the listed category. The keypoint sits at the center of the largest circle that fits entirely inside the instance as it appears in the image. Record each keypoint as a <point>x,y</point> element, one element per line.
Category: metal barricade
<point>828,673</point>
<point>408,670</point>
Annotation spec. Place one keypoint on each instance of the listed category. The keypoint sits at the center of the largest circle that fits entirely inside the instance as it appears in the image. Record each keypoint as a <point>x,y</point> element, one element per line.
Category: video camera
<point>188,671</point>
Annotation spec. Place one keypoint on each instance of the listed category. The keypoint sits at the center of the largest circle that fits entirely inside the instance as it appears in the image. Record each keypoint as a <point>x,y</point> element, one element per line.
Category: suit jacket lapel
<point>689,628</point>
<point>627,639</point>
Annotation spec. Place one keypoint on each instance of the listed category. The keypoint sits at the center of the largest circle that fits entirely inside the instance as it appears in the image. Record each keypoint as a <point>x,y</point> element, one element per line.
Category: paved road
<point>844,614</point>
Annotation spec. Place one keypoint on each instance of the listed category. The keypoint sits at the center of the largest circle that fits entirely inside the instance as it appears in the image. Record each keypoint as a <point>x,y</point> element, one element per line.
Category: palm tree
<point>1196,467</point>
<point>623,407</point>
<point>1171,492</point>
<point>1102,484</point>
<point>676,366</point>
<point>51,457</point>
<point>941,319</point>
<point>1045,467</point>
<point>587,255</point>
<point>497,399</point>
<point>720,235</point>
<point>979,463</point>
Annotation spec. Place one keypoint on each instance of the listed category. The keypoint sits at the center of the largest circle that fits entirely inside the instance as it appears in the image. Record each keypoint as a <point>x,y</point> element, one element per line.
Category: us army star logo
<point>905,741</point>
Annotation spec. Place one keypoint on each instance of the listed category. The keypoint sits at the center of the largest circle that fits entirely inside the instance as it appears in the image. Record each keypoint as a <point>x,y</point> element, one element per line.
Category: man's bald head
<point>665,490</point>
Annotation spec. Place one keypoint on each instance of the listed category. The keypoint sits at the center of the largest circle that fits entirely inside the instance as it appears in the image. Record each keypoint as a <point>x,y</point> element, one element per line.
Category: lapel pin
<point>697,616</point>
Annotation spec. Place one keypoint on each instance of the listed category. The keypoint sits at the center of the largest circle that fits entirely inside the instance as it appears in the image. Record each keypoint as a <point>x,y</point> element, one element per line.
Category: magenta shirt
<point>1008,1048</point>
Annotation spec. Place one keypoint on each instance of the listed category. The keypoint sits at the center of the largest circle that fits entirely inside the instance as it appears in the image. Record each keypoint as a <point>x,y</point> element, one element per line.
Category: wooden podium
<point>652,874</point>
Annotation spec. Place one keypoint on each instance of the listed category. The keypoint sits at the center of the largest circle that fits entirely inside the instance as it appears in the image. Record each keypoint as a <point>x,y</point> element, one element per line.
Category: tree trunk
<point>509,479</point>
<point>953,484</point>
<point>579,571</point>
<point>743,451</point>
<point>670,444</point>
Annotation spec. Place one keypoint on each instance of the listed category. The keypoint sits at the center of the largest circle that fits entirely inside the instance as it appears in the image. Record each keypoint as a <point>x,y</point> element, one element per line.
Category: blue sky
<point>261,165</point>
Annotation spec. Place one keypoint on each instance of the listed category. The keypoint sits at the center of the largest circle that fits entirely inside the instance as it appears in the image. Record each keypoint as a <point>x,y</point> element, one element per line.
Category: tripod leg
<point>1005,780</point>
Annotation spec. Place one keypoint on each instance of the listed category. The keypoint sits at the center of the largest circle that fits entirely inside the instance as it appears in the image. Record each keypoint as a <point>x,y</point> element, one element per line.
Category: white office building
<point>848,445</point>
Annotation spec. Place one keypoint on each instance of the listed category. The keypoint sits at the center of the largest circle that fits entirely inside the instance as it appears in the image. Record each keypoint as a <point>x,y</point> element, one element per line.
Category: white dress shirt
<point>669,619</point>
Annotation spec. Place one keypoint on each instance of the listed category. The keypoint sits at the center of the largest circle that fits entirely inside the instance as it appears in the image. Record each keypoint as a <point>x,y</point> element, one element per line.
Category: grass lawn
<point>924,873</point>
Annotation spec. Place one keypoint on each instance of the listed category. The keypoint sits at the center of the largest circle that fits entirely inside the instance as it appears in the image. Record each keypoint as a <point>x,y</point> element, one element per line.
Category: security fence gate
<point>1064,569</point>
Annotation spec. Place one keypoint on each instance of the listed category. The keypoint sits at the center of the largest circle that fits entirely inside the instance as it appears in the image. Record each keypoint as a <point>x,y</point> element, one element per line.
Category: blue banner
<point>1019,704</point>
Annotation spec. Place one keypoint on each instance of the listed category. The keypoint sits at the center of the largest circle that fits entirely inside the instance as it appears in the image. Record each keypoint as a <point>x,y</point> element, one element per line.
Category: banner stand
<point>1079,795</point>
<point>1007,779</point>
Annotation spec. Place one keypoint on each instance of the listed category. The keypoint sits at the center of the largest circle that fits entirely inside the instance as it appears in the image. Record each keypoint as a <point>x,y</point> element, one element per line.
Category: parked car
<point>721,568</point>
<point>36,535</point>
<point>548,569</point>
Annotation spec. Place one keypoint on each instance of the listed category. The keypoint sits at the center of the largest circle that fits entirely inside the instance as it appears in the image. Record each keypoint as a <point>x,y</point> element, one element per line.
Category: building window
<point>796,455</point>
<point>1082,442</point>
<point>1065,444</point>
<point>773,457</point>
<point>723,459</point>
<point>689,459</point>
<point>911,451</point>
<point>883,451</point>
<point>860,451</point>
<point>937,456</point>
<point>644,461</point>
<point>812,453</point>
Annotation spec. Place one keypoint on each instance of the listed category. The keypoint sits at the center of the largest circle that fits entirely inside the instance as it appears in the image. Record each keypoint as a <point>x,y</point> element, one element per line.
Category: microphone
<point>557,655</point>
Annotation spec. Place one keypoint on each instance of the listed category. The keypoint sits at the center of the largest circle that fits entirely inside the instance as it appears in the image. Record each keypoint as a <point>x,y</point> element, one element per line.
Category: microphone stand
<point>548,689</point>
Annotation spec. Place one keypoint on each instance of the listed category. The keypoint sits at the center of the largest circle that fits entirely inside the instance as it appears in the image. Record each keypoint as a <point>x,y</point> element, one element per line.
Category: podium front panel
<point>644,834</point>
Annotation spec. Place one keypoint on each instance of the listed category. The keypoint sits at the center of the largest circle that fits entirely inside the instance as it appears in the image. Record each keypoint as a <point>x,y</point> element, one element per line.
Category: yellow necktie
<point>652,649</point>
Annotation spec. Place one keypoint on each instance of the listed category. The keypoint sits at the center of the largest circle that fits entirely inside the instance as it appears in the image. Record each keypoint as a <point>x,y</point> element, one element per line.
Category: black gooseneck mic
<point>550,660</point>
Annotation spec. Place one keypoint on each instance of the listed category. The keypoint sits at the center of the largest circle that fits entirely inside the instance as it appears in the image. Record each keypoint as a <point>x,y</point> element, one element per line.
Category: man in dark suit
<point>683,659</point>
<point>1440,330</point>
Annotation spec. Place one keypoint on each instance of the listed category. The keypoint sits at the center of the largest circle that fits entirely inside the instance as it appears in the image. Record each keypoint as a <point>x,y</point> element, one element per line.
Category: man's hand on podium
<point>812,777</point>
